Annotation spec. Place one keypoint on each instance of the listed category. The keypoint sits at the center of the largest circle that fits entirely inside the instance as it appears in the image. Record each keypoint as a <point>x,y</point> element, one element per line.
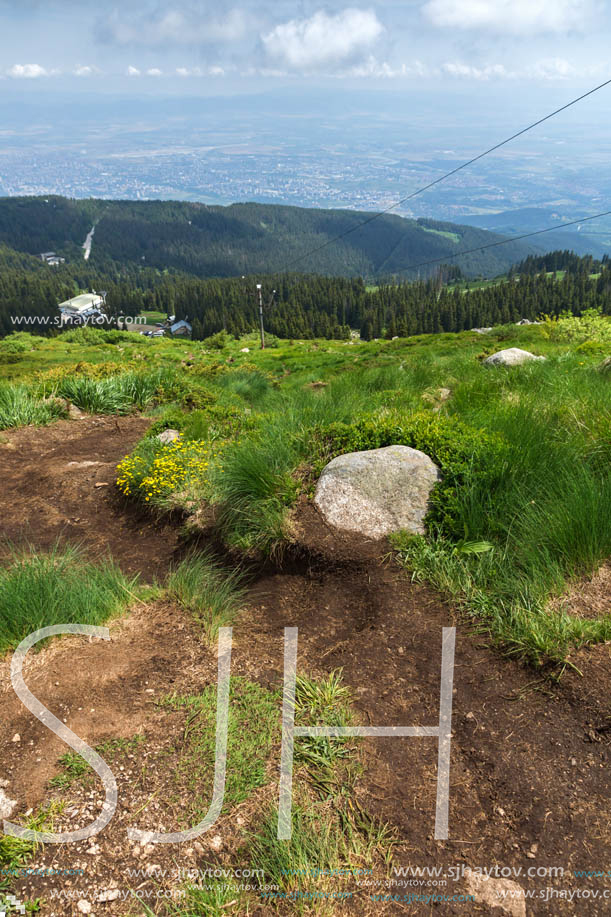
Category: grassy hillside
<point>242,238</point>
<point>525,499</point>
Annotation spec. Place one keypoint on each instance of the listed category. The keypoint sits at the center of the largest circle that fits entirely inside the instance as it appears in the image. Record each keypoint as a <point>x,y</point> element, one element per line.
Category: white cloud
<point>197,71</point>
<point>154,71</point>
<point>552,68</point>
<point>132,71</point>
<point>175,27</point>
<point>467,71</point>
<point>373,68</point>
<point>309,44</point>
<point>517,17</point>
<point>27,71</point>
<point>83,71</point>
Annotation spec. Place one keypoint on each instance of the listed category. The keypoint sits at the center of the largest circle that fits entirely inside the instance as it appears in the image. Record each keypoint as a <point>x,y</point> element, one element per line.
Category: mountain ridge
<point>246,238</point>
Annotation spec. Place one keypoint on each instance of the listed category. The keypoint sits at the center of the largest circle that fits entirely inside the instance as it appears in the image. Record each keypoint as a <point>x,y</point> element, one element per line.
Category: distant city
<point>219,152</point>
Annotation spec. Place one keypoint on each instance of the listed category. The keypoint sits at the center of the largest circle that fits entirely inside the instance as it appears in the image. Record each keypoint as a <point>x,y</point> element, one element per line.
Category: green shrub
<point>19,342</point>
<point>217,341</point>
<point>592,347</point>
<point>458,450</point>
<point>591,325</point>
<point>89,335</point>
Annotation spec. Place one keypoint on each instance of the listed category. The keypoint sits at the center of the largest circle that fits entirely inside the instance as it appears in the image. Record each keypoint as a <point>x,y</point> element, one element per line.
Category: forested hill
<point>244,238</point>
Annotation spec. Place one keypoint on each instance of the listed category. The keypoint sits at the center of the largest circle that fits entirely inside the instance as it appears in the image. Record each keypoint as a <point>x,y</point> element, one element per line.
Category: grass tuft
<point>57,587</point>
<point>212,595</point>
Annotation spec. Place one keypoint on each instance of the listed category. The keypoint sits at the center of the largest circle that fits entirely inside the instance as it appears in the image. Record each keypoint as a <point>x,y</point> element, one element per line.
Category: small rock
<point>501,811</point>
<point>217,842</point>
<point>93,850</point>
<point>75,413</point>
<point>84,906</point>
<point>470,715</point>
<point>198,848</point>
<point>16,738</point>
<point>7,805</point>
<point>245,350</point>
<point>102,484</point>
<point>168,436</point>
<point>496,893</point>
<point>513,356</point>
<point>110,895</point>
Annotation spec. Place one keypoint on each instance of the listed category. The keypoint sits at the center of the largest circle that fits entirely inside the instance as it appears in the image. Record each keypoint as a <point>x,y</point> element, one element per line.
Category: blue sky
<point>200,46</point>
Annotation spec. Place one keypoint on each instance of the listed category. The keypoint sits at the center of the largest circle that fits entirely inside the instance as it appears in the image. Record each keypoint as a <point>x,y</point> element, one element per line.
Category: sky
<point>203,47</point>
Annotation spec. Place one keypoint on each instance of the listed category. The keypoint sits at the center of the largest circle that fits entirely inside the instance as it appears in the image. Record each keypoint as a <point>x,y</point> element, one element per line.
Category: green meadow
<point>524,505</point>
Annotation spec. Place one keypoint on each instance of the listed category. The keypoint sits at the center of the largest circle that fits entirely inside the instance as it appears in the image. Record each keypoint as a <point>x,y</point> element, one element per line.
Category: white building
<point>51,258</point>
<point>81,308</point>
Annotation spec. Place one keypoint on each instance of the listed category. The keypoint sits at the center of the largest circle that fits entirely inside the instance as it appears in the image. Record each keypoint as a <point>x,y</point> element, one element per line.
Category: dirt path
<point>529,772</point>
<point>57,483</point>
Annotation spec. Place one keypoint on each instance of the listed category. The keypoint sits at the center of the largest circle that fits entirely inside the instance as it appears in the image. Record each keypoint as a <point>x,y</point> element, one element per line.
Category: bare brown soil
<point>58,483</point>
<point>530,784</point>
<point>589,598</point>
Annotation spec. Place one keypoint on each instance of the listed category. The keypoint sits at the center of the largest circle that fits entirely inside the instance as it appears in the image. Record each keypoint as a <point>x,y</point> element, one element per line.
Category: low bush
<point>156,471</point>
<point>20,342</point>
<point>591,325</point>
<point>57,587</point>
<point>88,335</point>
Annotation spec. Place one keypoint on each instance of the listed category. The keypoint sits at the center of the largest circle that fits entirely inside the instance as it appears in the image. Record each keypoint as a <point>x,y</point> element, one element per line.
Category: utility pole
<point>260,290</point>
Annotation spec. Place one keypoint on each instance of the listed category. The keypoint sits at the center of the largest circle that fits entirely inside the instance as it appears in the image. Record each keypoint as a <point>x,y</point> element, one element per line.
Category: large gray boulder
<point>513,356</point>
<point>377,492</point>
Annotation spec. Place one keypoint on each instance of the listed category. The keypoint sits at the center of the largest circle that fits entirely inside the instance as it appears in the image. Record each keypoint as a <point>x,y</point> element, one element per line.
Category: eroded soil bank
<point>529,759</point>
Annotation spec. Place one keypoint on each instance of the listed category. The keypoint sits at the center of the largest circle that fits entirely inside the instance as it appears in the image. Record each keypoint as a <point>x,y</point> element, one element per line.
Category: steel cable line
<point>481,248</point>
<point>442,178</point>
